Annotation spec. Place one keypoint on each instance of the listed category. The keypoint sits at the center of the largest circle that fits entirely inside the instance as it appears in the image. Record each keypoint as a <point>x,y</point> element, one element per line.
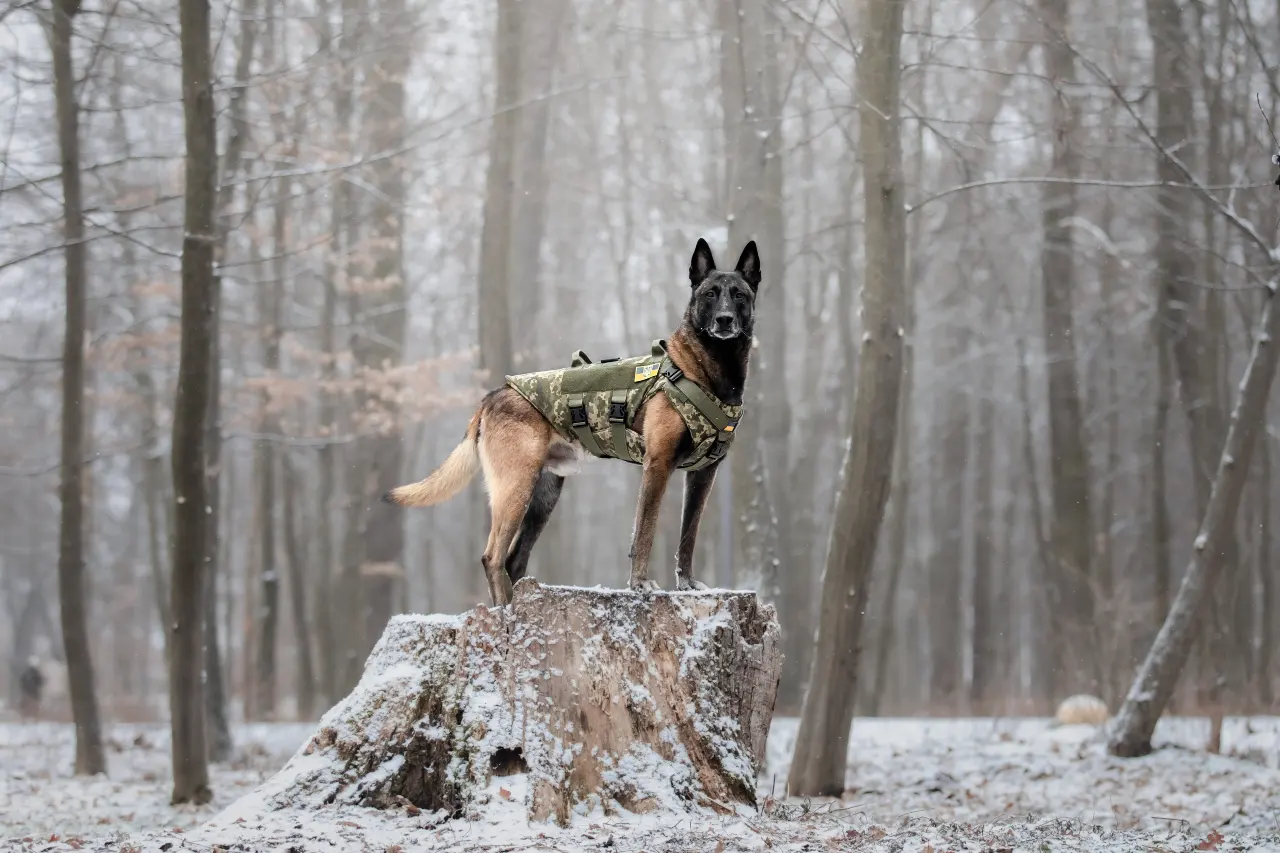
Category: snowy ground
<point>915,785</point>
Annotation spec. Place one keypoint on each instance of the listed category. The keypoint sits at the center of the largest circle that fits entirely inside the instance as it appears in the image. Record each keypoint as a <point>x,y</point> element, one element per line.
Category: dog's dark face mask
<point>722,306</point>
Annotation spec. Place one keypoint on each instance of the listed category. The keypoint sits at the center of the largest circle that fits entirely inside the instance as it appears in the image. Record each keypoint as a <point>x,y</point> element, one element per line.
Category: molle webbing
<point>596,404</point>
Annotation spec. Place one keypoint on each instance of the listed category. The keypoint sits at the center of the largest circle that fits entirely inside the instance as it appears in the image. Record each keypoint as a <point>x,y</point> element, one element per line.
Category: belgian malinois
<point>525,459</point>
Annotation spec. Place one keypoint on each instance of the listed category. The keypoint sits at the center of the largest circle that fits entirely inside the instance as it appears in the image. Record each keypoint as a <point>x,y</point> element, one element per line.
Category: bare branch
<point>1085,182</point>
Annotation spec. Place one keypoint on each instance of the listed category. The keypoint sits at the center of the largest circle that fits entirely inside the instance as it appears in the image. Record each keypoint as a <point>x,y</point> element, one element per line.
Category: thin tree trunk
<point>158,532</point>
<point>1268,636</point>
<point>186,666</point>
<point>157,523</point>
<point>268,610</point>
<point>217,725</point>
<point>298,557</point>
<point>90,758</point>
<point>900,516</point>
<point>270,299</point>
<point>947,515</point>
<point>384,325</point>
<point>811,425</point>
<point>1176,271</point>
<point>493,311</point>
<point>987,620</point>
<point>1038,606</point>
<point>753,163</point>
<point>822,743</point>
<point>1070,531</point>
<point>219,743</point>
<point>337,263</point>
<point>1160,527</point>
<point>1115,625</point>
<point>1224,649</point>
<point>1158,676</point>
<point>540,34</point>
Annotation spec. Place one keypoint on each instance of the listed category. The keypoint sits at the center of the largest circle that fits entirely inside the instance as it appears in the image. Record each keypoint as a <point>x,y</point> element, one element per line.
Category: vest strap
<point>699,399</point>
<point>618,423</point>
<point>581,426</point>
<point>685,389</point>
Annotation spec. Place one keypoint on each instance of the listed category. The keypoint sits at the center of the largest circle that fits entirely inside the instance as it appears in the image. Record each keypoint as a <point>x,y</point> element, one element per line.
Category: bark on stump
<point>597,698</point>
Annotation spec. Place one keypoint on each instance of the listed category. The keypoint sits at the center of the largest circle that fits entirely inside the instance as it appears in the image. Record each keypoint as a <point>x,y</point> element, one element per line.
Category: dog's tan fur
<point>511,442</point>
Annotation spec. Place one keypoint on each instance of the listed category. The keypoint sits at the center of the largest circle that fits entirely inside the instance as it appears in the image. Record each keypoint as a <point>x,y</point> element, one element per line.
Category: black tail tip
<point>387,498</point>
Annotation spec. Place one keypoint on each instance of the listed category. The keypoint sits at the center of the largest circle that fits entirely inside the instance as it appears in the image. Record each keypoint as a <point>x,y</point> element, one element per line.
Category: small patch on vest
<point>646,371</point>
<point>729,428</point>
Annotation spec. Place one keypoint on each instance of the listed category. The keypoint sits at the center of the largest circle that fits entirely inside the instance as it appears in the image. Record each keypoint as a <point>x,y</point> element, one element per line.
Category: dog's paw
<point>685,584</point>
<point>644,587</point>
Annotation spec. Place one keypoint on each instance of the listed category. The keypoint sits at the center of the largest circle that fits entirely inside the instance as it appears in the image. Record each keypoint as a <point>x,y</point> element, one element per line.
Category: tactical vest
<point>596,404</point>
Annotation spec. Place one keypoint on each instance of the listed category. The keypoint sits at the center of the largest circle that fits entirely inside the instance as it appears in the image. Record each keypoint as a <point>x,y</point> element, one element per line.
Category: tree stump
<point>586,698</point>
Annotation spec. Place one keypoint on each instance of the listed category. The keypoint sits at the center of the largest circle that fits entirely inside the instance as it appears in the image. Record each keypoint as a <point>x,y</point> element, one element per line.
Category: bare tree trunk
<point>1268,636</point>
<point>822,742</point>
<point>1039,607</point>
<point>385,316</point>
<point>1160,528</point>
<point>948,513</point>
<point>350,592</point>
<point>298,557</point>
<point>158,531</point>
<point>539,37</point>
<point>1225,649</point>
<point>900,516</point>
<point>1070,530</point>
<point>268,610</point>
<point>270,318</point>
<point>1154,684</point>
<point>1113,625</point>
<point>493,310</point>
<point>337,263</point>
<point>90,758</point>
<point>217,723</point>
<point>753,181</point>
<point>157,509</point>
<point>988,621</point>
<point>802,492</point>
<point>1176,270</point>
<point>186,666</point>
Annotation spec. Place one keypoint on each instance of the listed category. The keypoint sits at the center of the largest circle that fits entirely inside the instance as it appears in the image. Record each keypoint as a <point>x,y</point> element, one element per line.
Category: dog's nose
<point>724,322</point>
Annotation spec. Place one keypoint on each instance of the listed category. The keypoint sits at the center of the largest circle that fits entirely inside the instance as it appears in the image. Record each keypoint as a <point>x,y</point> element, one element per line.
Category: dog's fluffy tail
<point>447,480</point>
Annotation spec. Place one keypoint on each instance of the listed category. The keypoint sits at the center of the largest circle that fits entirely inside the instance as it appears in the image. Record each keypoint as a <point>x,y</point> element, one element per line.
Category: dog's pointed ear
<point>702,264</point>
<point>749,265</point>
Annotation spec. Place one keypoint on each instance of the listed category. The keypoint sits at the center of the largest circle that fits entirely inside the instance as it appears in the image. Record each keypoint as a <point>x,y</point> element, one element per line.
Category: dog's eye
<point>739,296</point>
<point>712,294</point>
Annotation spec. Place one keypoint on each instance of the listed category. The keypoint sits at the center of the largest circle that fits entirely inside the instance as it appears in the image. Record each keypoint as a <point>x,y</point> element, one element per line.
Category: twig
<point>1276,155</point>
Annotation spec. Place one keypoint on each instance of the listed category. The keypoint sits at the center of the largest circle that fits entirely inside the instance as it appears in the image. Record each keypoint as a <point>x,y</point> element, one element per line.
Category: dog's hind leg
<point>512,455</point>
<point>541,504</point>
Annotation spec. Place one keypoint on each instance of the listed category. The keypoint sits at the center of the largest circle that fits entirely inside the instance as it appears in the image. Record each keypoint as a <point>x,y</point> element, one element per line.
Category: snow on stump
<point>585,698</point>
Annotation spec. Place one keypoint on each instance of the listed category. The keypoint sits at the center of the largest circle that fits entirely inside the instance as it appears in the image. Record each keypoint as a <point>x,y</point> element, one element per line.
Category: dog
<point>525,458</point>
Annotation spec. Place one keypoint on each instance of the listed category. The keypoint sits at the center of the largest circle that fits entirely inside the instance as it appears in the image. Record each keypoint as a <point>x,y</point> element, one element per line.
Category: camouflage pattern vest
<point>595,404</point>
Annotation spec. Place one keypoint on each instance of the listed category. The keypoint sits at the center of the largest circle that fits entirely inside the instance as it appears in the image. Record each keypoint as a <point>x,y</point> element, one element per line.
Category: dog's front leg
<point>697,488</point>
<point>663,429</point>
<point>653,482</point>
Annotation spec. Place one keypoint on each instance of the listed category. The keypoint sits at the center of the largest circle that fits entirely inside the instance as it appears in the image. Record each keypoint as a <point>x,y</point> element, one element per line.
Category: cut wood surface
<point>573,699</point>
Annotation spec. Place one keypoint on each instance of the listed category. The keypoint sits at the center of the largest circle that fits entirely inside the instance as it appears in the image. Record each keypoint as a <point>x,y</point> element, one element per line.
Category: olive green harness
<point>596,404</point>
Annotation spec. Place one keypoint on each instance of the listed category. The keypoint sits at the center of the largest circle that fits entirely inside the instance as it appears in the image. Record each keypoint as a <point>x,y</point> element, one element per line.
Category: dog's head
<point>722,306</point>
